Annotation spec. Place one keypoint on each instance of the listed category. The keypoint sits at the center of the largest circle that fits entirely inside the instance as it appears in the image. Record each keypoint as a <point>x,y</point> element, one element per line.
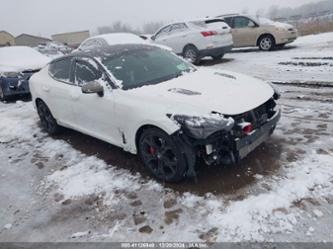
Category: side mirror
<point>93,87</point>
<point>143,37</point>
<point>153,38</point>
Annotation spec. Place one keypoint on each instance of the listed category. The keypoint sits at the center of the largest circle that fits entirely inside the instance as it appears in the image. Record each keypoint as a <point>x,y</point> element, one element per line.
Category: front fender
<point>165,124</point>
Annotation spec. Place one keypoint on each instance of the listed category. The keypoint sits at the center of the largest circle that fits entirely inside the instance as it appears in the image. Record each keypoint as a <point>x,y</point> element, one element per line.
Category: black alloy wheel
<point>161,156</point>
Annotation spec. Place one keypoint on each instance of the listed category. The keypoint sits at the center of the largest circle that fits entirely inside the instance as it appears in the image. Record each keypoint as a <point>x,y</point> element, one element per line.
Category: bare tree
<point>151,27</point>
<point>117,27</point>
<point>273,11</point>
<point>315,9</point>
<point>245,10</point>
<point>260,12</point>
<point>147,28</point>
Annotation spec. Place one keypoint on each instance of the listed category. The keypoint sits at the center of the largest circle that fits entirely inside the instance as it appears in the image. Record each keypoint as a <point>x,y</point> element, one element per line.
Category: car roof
<point>119,38</point>
<point>228,15</point>
<point>205,19</point>
<point>189,21</point>
<point>113,50</point>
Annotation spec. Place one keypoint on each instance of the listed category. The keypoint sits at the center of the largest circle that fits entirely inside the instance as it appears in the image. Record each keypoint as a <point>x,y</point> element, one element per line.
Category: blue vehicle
<point>17,64</point>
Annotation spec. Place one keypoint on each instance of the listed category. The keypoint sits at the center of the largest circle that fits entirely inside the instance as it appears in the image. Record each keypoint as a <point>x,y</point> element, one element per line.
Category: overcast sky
<point>46,17</point>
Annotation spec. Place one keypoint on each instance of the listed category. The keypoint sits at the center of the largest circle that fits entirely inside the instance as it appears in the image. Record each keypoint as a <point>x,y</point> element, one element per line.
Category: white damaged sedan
<point>151,102</point>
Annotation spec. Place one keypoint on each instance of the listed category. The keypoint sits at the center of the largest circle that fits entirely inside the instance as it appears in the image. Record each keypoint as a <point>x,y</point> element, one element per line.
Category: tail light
<point>208,33</point>
<point>248,129</point>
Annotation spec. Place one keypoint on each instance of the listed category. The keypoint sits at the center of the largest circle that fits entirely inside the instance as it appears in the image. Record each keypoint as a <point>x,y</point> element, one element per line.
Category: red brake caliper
<point>152,150</point>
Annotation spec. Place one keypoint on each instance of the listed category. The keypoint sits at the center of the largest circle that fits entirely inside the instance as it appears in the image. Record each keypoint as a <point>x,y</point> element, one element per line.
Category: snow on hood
<point>268,22</point>
<point>282,25</point>
<point>207,90</point>
<point>17,59</point>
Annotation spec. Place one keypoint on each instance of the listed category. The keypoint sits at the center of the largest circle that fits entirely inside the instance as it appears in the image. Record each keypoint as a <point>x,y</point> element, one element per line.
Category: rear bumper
<point>215,51</point>
<point>14,86</point>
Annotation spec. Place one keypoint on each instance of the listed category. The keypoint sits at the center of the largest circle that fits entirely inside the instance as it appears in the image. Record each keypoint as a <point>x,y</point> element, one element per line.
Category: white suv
<point>196,39</point>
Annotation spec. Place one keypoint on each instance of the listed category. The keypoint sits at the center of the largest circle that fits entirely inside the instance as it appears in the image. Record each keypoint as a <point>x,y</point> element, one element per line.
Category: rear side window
<point>242,22</point>
<point>60,69</point>
<point>164,31</point>
<point>92,43</point>
<point>178,27</point>
<point>87,44</point>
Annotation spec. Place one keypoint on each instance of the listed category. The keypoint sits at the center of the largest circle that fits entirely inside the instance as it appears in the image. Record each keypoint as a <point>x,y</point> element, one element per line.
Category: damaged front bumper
<point>247,144</point>
<point>228,146</point>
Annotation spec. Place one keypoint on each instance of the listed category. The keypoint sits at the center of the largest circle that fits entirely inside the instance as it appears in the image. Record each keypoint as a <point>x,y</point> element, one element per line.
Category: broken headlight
<point>203,126</point>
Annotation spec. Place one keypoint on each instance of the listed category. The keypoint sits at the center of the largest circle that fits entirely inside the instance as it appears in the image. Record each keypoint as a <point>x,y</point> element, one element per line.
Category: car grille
<point>257,117</point>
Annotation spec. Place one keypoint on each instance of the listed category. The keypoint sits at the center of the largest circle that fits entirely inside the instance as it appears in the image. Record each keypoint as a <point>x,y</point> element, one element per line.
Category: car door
<point>178,37</point>
<point>244,32</point>
<point>58,89</point>
<point>94,114</point>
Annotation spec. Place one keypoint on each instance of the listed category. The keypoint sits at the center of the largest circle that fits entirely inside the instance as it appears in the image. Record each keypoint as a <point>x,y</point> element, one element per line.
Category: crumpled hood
<point>207,90</point>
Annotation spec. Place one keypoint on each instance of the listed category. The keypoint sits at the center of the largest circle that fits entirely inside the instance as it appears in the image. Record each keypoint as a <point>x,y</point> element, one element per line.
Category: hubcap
<point>159,156</point>
<point>266,43</point>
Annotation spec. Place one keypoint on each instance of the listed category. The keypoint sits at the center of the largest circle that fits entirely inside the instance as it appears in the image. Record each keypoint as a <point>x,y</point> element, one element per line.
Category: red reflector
<point>208,33</point>
<point>248,129</point>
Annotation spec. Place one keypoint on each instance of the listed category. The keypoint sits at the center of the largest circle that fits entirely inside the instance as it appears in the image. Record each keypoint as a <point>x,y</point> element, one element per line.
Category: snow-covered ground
<point>308,59</point>
<point>76,188</point>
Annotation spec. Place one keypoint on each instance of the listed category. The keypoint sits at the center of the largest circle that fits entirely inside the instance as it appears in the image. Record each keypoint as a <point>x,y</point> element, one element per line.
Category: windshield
<point>145,66</point>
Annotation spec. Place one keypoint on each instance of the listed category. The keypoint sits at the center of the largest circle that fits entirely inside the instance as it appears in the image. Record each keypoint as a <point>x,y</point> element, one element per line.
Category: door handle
<point>45,88</point>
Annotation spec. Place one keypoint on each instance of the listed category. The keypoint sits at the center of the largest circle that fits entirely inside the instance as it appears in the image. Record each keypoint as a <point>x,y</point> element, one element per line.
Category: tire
<point>218,57</point>
<point>191,53</point>
<point>280,46</point>
<point>2,94</point>
<point>161,155</point>
<point>266,43</point>
<point>49,123</point>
